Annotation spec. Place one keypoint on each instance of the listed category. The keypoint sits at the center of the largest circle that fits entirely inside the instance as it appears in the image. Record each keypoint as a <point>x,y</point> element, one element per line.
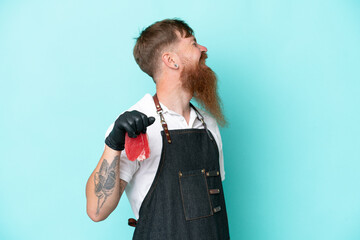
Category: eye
<point>194,44</point>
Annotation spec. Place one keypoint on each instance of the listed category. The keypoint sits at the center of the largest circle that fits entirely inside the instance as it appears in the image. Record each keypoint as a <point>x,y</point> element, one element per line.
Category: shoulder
<point>145,105</point>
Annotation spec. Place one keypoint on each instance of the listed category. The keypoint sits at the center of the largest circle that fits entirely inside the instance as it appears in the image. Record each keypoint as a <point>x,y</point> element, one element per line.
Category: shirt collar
<point>193,115</point>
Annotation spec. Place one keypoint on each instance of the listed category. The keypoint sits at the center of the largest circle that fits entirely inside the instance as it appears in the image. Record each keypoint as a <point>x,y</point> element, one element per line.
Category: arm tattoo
<point>105,181</point>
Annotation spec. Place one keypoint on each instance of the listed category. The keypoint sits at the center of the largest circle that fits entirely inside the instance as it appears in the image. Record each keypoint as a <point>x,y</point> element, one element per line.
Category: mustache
<point>203,57</point>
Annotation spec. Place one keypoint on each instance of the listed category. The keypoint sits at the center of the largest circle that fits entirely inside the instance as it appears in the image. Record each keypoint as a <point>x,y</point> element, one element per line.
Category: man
<point>177,192</point>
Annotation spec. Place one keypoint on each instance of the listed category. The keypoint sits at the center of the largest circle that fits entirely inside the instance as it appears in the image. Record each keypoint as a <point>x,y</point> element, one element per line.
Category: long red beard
<point>201,82</point>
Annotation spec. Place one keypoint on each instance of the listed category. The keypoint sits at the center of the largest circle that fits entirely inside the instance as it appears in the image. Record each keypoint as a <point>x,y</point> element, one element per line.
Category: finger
<point>145,122</point>
<point>129,128</point>
<point>151,120</point>
<point>139,123</point>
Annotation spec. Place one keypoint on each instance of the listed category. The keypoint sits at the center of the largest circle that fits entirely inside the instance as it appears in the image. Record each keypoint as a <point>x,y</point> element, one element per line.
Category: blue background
<point>289,79</point>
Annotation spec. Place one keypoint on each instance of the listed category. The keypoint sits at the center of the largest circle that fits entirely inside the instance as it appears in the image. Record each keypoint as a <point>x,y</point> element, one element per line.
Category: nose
<point>202,48</point>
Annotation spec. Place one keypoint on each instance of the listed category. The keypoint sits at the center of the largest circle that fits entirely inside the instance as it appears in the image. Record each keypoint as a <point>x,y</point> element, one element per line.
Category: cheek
<point>188,60</point>
<point>195,57</point>
<point>190,57</point>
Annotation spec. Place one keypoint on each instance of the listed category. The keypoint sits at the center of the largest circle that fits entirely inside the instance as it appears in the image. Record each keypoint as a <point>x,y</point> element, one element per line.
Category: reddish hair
<point>154,39</point>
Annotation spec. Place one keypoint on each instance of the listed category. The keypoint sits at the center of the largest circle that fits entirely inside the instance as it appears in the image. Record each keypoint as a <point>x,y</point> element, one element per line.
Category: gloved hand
<point>133,123</point>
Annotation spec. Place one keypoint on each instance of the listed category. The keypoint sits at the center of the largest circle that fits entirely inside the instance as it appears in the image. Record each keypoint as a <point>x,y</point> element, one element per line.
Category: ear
<point>171,60</point>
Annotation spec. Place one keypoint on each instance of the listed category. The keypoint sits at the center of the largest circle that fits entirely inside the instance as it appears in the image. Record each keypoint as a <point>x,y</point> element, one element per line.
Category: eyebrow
<point>194,38</point>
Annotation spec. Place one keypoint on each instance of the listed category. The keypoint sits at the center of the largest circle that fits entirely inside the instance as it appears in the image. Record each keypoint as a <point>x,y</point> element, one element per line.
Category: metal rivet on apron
<point>180,174</point>
<point>214,191</point>
<point>217,209</point>
<point>167,134</point>
<point>203,170</point>
<point>169,141</point>
<point>212,173</point>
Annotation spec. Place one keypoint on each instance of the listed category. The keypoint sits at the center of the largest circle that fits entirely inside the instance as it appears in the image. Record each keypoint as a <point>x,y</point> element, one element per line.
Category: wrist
<point>113,144</point>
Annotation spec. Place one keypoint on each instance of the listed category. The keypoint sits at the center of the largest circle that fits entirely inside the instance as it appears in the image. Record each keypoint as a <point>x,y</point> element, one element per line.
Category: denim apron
<point>186,198</point>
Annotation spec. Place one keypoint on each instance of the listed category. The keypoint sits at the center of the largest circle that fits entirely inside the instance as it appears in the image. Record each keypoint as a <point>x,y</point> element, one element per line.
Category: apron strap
<point>201,118</point>
<point>163,123</point>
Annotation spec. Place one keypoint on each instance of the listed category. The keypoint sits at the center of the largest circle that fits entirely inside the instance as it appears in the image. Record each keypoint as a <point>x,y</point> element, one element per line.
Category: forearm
<point>104,187</point>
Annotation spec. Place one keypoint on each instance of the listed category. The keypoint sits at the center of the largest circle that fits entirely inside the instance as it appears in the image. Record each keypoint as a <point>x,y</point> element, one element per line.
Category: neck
<point>174,97</point>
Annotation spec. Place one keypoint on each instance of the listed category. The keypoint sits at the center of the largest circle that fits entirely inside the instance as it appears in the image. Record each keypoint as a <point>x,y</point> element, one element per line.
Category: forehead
<point>192,38</point>
<point>185,42</point>
<point>189,39</point>
<point>185,39</point>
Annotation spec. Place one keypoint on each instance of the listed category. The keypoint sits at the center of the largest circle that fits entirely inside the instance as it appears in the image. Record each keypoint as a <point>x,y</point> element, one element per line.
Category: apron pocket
<point>195,194</point>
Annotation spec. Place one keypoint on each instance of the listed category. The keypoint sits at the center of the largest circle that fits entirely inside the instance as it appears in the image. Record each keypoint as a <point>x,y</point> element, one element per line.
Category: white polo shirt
<point>140,175</point>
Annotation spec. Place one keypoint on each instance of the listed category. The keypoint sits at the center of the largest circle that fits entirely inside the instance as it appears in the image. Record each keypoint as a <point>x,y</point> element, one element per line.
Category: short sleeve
<point>221,153</point>
<point>127,167</point>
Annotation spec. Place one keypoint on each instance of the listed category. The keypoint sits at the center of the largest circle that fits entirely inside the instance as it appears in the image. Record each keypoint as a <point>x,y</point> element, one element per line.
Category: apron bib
<point>186,199</point>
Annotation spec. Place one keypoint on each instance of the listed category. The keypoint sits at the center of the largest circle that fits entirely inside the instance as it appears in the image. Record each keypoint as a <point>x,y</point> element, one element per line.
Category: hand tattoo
<point>105,181</point>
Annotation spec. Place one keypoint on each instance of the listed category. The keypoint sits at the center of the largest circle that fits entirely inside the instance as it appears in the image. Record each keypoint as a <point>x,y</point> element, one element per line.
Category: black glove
<point>133,123</point>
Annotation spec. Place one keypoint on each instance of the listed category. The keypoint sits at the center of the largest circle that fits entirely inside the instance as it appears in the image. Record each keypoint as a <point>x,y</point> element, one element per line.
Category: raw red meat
<point>137,148</point>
